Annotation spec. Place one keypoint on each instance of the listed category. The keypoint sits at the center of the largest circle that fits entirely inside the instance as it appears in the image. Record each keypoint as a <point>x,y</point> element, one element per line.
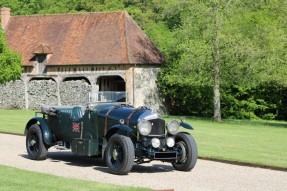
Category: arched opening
<point>111,83</point>
<point>42,79</point>
<point>84,79</point>
<point>111,89</point>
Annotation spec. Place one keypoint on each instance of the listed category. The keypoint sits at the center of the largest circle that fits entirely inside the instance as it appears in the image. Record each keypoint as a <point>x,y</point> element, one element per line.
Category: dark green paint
<point>185,125</point>
<point>86,130</point>
<point>87,147</point>
<point>46,131</point>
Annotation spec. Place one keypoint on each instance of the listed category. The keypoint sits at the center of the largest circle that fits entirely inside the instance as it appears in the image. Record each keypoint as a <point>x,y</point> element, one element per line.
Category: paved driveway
<point>206,175</point>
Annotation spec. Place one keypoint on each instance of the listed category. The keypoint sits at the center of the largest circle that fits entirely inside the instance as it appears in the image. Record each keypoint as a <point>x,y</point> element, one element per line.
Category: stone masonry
<point>50,91</point>
<point>12,95</point>
<point>41,92</point>
<point>75,92</point>
<point>146,90</point>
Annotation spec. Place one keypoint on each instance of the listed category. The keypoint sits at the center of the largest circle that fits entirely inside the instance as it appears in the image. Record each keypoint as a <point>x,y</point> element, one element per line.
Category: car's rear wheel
<point>187,150</point>
<point>119,154</point>
<point>34,143</point>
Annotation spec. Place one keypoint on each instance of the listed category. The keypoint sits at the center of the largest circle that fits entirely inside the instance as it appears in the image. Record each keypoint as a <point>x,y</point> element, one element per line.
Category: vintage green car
<point>121,134</point>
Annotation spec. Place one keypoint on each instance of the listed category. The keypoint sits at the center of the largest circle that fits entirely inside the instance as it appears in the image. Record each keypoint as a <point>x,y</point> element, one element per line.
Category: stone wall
<point>141,87</point>
<point>146,90</point>
<point>12,95</point>
<point>75,92</point>
<point>42,92</point>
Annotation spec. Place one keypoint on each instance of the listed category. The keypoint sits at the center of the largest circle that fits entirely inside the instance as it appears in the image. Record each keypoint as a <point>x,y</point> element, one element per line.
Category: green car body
<point>121,134</point>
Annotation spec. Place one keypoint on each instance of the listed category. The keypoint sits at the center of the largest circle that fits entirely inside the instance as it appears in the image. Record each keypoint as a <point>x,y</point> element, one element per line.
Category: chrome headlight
<point>155,142</point>
<point>144,127</point>
<point>170,142</point>
<point>173,127</point>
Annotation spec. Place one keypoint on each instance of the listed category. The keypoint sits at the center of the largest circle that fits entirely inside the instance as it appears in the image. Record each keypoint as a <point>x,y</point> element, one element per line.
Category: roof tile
<point>79,39</point>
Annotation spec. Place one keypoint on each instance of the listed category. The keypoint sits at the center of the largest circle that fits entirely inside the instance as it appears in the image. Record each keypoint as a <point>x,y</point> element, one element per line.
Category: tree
<point>198,44</point>
<point>10,62</point>
<point>228,46</point>
<point>216,61</point>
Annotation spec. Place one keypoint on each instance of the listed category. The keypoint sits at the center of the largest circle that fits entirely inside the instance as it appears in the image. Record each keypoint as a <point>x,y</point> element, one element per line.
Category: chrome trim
<point>149,115</point>
<point>163,135</point>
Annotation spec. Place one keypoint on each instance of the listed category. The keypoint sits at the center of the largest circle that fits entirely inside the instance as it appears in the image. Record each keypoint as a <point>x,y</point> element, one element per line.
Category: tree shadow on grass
<point>279,124</point>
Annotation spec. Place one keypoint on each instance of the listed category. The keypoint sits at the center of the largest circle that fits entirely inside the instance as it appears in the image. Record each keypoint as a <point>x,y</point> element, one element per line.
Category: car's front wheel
<point>119,154</point>
<point>187,150</point>
<point>34,143</point>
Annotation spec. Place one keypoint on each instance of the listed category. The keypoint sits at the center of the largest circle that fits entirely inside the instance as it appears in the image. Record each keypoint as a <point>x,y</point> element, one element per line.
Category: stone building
<point>67,56</point>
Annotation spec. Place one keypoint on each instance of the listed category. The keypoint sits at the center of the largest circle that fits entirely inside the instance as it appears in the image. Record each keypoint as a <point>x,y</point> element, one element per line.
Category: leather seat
<point>77,114</point>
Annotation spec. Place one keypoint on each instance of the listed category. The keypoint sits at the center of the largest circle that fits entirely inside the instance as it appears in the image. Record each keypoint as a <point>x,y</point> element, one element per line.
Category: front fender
<point>122,127</point>
<point>46,132</point>
<point>112,131</point>
<point>186,125</point>
<point>117,127</point>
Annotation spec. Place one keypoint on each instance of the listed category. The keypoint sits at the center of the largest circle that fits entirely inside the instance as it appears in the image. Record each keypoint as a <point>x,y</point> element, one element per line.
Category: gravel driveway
<point>206,175</point>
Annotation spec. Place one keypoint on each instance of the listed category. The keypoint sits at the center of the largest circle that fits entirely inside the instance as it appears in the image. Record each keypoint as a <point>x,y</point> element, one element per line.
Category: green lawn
<point>16,179</point>
<point>14,121</point>
<point>258,142</point>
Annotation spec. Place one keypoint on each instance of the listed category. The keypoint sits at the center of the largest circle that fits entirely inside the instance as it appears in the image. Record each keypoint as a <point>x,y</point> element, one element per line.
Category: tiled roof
<point>43,49</point>
<point>78,39</point>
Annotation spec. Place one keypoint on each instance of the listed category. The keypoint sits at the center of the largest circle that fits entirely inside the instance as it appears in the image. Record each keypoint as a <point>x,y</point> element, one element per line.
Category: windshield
<point>108,97</point>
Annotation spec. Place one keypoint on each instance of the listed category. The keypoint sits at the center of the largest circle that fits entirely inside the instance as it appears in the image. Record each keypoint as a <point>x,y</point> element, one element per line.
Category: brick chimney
<point>5,16</point>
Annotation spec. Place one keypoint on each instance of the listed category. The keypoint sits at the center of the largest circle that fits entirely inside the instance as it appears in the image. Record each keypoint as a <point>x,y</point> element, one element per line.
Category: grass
<point>257,142</point>
<point>14,121</point>
<point>16,179</point>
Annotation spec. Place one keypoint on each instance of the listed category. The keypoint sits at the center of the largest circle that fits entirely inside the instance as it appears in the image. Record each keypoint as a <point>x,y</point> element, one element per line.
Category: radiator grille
<point>158,127</point>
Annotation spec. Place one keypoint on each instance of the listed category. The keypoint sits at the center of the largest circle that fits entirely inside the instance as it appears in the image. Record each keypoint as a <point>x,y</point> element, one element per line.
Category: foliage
<point>241,103</point>
<point>10,62</point>
<point>251,55</point>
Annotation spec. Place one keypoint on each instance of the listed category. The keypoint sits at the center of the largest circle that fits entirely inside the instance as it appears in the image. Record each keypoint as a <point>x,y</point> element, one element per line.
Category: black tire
<point>187,158</point>
<point>34,143</point>
<point>119,154</point>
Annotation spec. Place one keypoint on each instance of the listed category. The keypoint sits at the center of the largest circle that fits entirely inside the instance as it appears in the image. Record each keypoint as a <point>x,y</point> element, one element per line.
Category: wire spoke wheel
<point>33,143</point>
<point>116,155</point>
<point>187,152</point>
<point>181,147</point>
<point>119,154</point>
<point>35,146</point>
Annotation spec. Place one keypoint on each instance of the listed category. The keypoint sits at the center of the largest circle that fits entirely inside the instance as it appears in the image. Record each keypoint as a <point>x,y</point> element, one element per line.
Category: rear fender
<point>46,132</point>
